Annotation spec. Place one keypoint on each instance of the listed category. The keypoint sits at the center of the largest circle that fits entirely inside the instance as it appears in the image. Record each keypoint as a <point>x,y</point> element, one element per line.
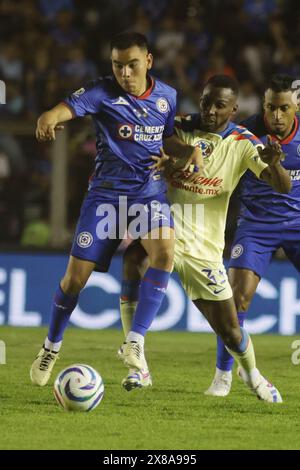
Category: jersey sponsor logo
<point>85,239</point>
<point>162,105</point>
<point>294,174</point>
<point>79,92</point>
<point>237,251</point>
<point>121,101</point>
<point>140,133</point>
<point>209,186</point>
<point>206,146</point>
<point>125,131</point>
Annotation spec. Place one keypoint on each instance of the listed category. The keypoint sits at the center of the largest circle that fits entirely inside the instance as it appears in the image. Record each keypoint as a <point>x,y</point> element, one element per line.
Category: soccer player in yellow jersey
<point>200,209</point>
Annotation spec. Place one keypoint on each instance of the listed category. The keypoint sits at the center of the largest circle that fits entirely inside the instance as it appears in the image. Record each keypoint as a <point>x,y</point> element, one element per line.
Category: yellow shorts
<point>202,279</point>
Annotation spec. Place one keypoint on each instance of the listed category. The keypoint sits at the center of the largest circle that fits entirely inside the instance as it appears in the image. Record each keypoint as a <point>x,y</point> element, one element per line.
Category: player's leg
<point>135,263</point>
<point>158,239</point>
<point>159,245</point>
<point>250,257</point>
<point>160,251</point>
<point>89,250</point>
<point>222,317</point>
<point>291,246</point>
<point>244,283</point>
<point>64,302</point>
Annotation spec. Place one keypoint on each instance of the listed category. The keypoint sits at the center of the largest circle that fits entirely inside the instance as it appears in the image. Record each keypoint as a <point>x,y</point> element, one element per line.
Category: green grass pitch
<point>173,414</point>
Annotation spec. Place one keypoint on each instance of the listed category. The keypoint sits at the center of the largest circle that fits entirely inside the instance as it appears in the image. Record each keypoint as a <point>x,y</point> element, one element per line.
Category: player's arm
<point>48,122</point>
<point>175,147</point>
<point>274,174</point>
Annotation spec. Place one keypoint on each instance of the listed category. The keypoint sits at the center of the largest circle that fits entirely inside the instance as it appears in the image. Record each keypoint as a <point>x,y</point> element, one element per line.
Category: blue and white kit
<point>269,220</point>
<point>129,131</point>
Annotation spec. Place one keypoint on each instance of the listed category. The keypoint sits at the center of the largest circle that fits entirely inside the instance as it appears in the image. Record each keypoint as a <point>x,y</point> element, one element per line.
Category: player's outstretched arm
<point>48,122</point>
<point>274,174</point>
<point>187,153</point>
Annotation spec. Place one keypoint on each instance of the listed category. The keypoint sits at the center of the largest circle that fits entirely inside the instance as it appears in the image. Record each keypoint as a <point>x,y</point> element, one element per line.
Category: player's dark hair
<point>224,81</point>
<point>280,82</point>
<point>128,39</point>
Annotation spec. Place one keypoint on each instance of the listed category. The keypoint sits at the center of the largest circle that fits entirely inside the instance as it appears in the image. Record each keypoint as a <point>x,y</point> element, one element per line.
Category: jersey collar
<point>290,137</point>
<point>148,92</point>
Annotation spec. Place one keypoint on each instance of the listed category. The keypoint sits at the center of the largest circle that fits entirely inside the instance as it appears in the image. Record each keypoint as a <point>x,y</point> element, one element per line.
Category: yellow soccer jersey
<point>200,208</point>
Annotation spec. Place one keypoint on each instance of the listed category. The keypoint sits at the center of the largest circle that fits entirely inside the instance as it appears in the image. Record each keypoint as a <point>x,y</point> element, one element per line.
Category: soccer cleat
<point>221,385</point>
<point>132,354</point>
<point>261,387</point>
<point>42,366</point>
<point>137,379</point>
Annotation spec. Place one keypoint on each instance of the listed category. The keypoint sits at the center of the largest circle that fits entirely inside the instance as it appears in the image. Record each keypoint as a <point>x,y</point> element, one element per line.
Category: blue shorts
<point>255,244</point>
<point>103,224</point>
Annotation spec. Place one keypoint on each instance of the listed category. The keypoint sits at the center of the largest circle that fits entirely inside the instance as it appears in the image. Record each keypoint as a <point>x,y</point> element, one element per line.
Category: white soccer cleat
<point>42,366</point>
<point>137,379</point>
<point>221,385</point>
<point>132,354</point>
<point>261,387</point>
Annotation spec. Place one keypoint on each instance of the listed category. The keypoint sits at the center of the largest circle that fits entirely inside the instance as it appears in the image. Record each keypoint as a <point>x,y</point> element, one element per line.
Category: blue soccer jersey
<point>260,203</point>
<point>129,130</point>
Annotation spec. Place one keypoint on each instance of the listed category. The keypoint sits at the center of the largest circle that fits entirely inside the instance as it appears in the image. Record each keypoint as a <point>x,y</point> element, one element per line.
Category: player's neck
<point>222,128</point>
<point>144,87</point>
<point>287,133</point>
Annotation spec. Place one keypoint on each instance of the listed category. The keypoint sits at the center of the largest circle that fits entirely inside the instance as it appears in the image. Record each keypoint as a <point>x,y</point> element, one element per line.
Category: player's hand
<point>160,162</point>
<point>194,165</point>
<point>46,128</point>
<point>272,154</point>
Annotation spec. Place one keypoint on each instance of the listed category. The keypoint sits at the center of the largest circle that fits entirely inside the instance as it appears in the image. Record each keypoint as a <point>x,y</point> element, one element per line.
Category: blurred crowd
<point>49,48</point>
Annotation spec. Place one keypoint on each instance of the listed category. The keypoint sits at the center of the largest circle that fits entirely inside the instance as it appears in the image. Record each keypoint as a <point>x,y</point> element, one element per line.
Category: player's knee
<point>162,258</point>
<point>72,285</point>
<point>134,261</point>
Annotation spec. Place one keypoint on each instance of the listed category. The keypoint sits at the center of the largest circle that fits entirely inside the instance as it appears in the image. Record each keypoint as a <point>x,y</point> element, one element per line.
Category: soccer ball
<point>78,388</point>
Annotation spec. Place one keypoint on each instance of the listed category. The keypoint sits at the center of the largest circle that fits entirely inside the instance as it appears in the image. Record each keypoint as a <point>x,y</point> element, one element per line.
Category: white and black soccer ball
<point>79,387</point>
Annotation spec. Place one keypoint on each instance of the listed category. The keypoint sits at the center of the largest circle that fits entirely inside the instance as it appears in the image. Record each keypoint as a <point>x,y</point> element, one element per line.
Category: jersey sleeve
<point>169,126</point>
<point>251,159</point>
<point>178,127</point>
<point>86,100</point>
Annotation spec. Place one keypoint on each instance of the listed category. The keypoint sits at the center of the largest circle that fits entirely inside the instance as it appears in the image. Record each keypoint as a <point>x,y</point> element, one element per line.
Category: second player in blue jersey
<point>268,220</point>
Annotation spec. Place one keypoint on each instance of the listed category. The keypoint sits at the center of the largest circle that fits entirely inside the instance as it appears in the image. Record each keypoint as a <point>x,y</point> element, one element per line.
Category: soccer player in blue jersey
<point>133,115</point>
<point>268,220</point>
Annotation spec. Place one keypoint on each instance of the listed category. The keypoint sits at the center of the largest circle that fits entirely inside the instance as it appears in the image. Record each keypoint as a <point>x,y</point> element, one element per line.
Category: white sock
<point>55,347</point>
<point>254,377</point>
<point>133,336</point>
<point>220,372</point>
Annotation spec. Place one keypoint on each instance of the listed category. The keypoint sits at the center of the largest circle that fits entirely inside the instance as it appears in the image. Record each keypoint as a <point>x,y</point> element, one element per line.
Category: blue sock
<point>224,358</point>
<point>63,306</point>
<point>152,292</point>
<point>130,290</point>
